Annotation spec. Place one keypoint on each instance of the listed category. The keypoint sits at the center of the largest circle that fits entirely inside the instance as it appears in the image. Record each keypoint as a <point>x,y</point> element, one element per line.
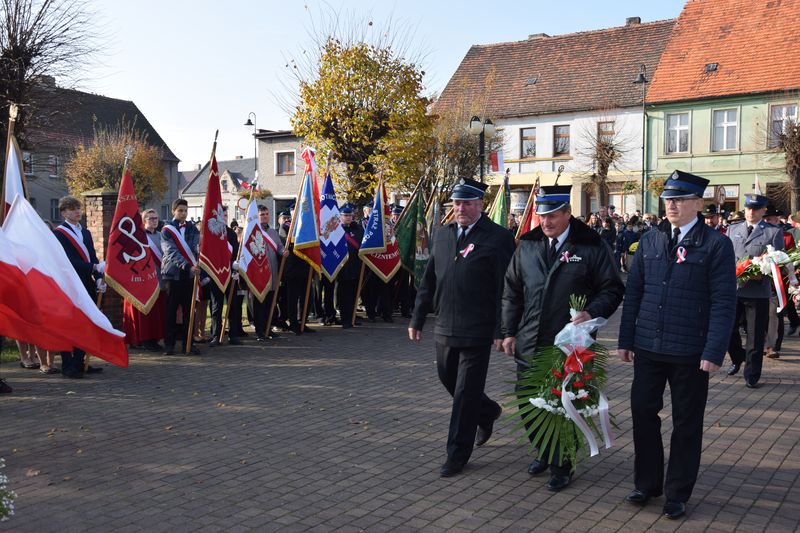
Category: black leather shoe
<point>169,350</point>
<point>638,497</point>
<point>485,433</point>
<point>673,510</point>
<point>213,342</point>
<point>261,339</point>
<point>792,330</point>
<point>734,369</point>
<point>93,370</point>
<point>451,468</point>
<point>234,341</point>
<point>537,467</point>
<point>558,482</point>
<point>752,383</point>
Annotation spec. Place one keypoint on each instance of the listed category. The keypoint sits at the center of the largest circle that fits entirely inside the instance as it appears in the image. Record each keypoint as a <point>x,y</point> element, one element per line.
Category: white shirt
<point>560,239</point>
<point>76,228</point>
<point>684,229</point>
<point>458,233</point>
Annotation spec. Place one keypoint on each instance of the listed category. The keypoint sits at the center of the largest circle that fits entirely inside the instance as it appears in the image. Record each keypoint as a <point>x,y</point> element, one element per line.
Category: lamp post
<point>641,79</point>
<point>481,129</point>
<point>255,143</point>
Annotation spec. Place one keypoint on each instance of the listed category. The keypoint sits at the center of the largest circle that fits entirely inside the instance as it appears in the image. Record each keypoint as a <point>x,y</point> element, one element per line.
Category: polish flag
<point>254,258</point>
<point>13,181</point>
<point>20,315</point>
<point>69,317</point>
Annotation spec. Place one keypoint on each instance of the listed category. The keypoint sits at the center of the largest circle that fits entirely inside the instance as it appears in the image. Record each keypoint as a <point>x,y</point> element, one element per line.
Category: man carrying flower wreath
<point>680,301</point>
<point>560,257</point>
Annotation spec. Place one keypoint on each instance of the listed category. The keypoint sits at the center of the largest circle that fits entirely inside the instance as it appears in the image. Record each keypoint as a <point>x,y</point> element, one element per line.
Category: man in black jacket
<point>561,257</point>
<point>463,282</point>
<point>347,279</point>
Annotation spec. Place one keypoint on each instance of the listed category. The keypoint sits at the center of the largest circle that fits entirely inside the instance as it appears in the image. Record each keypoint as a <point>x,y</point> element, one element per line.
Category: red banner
<point>215,250</point>
<point>130,263</point>
<point>254,259</point>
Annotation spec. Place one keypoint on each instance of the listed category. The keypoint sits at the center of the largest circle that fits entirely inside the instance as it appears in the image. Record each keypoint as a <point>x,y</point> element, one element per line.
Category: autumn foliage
<point>99,165</point>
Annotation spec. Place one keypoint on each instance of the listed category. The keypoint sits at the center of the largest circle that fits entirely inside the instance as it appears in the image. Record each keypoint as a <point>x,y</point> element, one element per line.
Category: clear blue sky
<point>193,66</point>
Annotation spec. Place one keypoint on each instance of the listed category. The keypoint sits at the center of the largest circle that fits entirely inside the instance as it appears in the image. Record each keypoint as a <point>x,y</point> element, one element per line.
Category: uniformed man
<point>261,309</point>
<point>347,279</point>
<point>676,322</point>
<point>464,283</point>
<point>750,239</point>
<point>711,218</point>
<point>538,286</point>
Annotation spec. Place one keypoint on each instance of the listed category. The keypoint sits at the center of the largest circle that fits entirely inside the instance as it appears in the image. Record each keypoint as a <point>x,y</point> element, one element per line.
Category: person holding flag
<point>333,248</point>
<point>258,265</point>
<point>347,279</point>
<point>180,241</point>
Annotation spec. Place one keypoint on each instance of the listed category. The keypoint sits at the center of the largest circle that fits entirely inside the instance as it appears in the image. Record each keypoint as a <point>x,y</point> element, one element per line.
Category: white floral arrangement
<point>7,496</point>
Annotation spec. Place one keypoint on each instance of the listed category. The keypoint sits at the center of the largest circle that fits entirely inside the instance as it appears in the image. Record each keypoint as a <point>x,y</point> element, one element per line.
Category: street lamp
<point>641,78</point>
<point>481,129</point>
<point>255,143</point>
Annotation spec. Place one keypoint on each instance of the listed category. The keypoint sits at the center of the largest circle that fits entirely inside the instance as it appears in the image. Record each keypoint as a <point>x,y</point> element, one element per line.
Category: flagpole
<point>305,303</point>
<point>233,282</point>
<point>190,325</point>
<point>527,210</point>
<point>13,109</point>
<point>277,284</point>
<point>358,292</point>
<point>410,200</point>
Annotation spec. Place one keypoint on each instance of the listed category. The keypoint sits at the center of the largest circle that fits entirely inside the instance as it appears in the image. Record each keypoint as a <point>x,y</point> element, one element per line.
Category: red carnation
<point>578,384</point>
<point>557,392</point>
<point>588,376</point>
<point>557,374</point>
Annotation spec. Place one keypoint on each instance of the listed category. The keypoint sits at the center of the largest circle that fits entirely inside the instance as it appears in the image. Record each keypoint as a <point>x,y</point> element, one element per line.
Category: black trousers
<point>295,296</point>
<point>462,371</point>
<point>377,297</point>
<point>235,315</point>
<point>756,312</point>
<point>688,387</point>
<point>72,362</point>
<point>346,298</point>
<point>260,314</point>
<point>327,289</point>
<point>217,304</point>
<point>179,294</point>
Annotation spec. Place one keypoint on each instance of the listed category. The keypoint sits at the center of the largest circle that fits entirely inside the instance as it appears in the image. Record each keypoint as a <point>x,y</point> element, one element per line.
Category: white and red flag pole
<point>14,177</point>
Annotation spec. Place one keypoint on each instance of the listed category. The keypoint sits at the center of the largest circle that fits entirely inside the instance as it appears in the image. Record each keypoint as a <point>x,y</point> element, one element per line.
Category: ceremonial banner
<point>530,219</point>
<point>379,246</point>
<point>71,315</point>
<point>20,315</point>
<point>499,211</point>
<point>13,175</point>
<point>306,225</point>
<point>411,232</point>
<point>215,250</point>
<point>333,245</point>
<point>254,258</point>
<point>496,161</point>
<point>130,262</point>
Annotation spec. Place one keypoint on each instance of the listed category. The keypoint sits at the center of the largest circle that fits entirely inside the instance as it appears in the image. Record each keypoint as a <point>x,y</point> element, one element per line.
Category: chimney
<point>633,21</point>
<point>534,36</point>
<point>238,157</point>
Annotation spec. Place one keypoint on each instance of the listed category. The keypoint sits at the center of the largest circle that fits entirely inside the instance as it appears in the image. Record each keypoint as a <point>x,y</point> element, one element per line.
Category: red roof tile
<point>754,43</point>
<point>574,72</point>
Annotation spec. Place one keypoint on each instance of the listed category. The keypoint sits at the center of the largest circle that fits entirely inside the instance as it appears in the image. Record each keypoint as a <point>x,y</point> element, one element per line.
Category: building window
<point>605,132</point>
<point>54,163</point>
<point>284,163</point>
<point>165,212</point>
<point>55,214</point>
<point>560,141</point>
<point>725,130</point>
<point>781,117</point>
<point>678,133</point>
<point>527,142</point>
<point>27,162</point>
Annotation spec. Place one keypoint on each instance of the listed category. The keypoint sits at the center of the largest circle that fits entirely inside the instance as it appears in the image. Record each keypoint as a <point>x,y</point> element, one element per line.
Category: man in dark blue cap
<point>752,299</point>
<point>463,282</point>
<point>561,257</point>
<point>680,301</point>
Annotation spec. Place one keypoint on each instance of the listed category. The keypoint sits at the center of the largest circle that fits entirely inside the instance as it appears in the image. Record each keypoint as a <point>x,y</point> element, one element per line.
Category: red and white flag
<point>20,315</point>
<point>215,250</point>
<point>254,258</point>
<point>130,263</point>
<point>496,161</point>
<point>13,175</point>
<point>69,314</point>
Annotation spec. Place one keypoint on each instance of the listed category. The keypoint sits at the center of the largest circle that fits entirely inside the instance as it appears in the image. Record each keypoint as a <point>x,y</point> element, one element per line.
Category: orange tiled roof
<point>574,72</point>
<point>754,42</point>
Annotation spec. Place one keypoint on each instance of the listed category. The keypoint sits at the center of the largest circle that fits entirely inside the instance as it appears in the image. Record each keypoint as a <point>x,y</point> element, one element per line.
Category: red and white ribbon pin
<point>465,252</point>
<point>680,253</point>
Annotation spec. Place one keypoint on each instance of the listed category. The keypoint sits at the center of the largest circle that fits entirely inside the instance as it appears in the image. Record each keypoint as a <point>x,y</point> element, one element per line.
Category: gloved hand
<point>205,281</point>
<point>101,285</point>
<point>235,276</point>
<point>100,267</point>
<point>236,266</point>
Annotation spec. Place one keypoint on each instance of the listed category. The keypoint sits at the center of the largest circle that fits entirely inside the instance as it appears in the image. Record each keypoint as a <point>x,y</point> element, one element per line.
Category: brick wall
<point>99,206</point>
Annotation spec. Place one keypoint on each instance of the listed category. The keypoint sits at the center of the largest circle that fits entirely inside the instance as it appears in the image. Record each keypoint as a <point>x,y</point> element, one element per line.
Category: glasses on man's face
<point>677,201</point>
<point>152,218</point>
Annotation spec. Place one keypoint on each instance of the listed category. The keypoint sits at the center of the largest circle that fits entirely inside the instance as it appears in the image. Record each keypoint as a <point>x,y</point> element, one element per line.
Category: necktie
<point>552,253</point>
<point>676,234</point>
<point>749,230</point>
<point>462,238</point>
<point>182,225</point>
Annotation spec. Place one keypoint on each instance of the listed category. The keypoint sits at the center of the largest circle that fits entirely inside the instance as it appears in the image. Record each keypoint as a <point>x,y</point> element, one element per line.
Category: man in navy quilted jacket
<point>680,303</point>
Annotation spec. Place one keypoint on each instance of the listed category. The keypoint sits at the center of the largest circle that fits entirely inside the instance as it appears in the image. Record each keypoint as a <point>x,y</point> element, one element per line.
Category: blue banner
<point>333,245</point>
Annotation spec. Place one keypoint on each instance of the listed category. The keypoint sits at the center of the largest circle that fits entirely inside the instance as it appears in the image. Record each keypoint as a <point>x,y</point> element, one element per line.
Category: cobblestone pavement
<point>345,430</point>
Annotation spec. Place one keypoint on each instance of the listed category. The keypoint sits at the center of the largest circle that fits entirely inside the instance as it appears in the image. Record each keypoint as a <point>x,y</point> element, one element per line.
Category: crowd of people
<point>684,309</point>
